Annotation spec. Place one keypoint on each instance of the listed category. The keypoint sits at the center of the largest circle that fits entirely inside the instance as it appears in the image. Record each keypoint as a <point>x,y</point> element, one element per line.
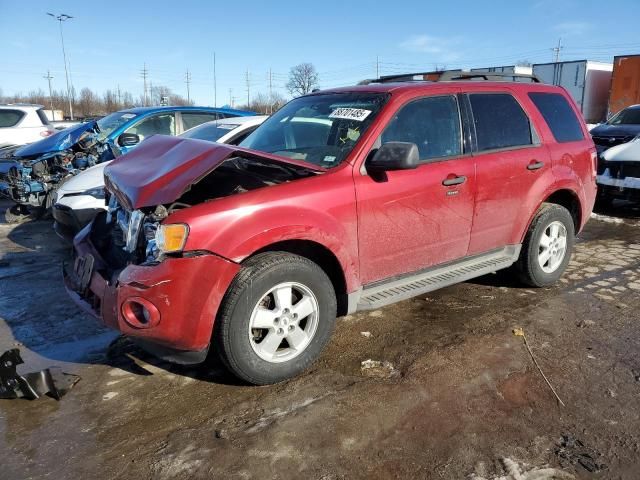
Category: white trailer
<point>517,69</point>
<point>586,81</point>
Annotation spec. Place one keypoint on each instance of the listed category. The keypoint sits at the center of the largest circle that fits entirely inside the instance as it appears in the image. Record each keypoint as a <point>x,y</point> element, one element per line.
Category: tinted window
<point>211,131</point>
<point>433,124</point>
<point>190,120</point>
<point>163,124</point>
<point>42,116</point>
<point>559,116</point>
<point>10,118</point>
<point>628,116</point>
<point>500,121</point>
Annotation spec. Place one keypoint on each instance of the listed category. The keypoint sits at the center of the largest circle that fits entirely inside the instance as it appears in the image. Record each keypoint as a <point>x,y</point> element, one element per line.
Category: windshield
<point>320,129</point>
<point>628,116</point>
<point>109,123</point>
<point>211,131</point>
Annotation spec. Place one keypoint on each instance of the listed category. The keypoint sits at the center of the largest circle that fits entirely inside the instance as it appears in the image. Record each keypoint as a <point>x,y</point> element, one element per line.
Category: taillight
<point>594,163</point>
<point>46,133</point>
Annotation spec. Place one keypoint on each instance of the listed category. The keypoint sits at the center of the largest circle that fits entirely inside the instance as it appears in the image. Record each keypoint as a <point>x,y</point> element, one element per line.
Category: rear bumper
<point>182,294</point>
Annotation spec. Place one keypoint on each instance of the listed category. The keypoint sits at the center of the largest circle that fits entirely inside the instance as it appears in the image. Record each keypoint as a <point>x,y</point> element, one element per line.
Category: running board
<point>382,294</point>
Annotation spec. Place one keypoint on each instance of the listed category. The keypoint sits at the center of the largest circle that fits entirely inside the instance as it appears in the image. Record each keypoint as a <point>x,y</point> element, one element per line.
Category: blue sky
<point>108,42</point>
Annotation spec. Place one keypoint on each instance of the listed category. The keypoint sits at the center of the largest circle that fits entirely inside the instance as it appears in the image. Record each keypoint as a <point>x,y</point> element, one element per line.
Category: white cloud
<point>567,29</point>
<point>440,48</point>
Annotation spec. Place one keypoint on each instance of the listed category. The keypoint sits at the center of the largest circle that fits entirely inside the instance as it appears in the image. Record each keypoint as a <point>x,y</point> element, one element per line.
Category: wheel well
<point>321,256</point>
<point>570,201</point>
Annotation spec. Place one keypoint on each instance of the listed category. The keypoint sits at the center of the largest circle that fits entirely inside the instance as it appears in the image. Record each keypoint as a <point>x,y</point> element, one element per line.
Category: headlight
<point>171,238</point>
<point>97,192</point>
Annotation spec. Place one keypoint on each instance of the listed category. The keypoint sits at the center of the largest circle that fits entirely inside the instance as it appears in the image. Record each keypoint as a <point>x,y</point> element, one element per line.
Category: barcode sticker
<point>358,114</point>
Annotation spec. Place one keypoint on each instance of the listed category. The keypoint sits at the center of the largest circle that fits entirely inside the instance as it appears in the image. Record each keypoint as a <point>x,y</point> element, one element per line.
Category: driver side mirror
<point>394,156</point>
<point>128,139</point>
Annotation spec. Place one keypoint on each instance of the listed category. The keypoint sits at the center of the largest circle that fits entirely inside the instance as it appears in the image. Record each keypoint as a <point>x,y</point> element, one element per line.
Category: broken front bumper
<point>171,305</point>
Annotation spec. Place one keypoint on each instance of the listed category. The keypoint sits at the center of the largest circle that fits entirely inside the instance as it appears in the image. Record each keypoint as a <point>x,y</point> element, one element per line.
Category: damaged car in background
<point>30,175</point>
<point>619,173</point>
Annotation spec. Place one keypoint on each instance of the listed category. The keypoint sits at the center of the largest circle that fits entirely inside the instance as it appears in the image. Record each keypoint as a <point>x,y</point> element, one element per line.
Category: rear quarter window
<point>559,115</point>
<point>10,118</point>
<point>42,116</point>
<point>500,121</point>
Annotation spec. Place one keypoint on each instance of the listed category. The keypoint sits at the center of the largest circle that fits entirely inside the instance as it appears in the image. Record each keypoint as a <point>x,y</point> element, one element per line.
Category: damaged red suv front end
<point>163,295</point>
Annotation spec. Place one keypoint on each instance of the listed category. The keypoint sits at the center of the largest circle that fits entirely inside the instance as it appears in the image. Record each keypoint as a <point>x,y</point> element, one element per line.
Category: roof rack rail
<point>454,75</point>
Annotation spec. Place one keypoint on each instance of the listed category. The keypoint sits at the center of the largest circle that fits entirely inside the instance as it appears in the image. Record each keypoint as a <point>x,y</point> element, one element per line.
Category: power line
<point>63,17</point>
<point>144,73</point>
<point>187,80</point>
<point>556,51</point>
<point>215,91</point>
<point>48,77</point>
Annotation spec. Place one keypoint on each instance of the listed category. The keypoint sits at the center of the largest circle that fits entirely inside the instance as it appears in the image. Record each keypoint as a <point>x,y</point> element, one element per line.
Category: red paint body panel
<point>375,229</point>
<point>186,291</point>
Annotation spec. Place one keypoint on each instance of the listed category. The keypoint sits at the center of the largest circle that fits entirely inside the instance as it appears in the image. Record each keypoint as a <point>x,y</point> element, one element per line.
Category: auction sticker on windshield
<point>358,114</point>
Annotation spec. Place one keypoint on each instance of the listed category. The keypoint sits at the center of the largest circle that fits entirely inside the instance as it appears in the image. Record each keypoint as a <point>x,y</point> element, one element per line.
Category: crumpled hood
<point>57,142</point>
<point>162,168</point>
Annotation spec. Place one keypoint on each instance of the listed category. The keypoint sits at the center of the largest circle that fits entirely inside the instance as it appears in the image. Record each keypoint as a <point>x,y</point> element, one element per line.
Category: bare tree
<point>303,78</point>
<point>265,103</point>
<point>523,63</point>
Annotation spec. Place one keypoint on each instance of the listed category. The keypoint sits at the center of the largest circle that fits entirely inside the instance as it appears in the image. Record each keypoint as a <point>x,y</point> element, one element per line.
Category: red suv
<point>344,200</point>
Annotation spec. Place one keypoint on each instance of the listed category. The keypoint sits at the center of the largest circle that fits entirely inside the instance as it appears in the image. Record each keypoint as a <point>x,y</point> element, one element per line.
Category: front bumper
<point>182,294</point>
<point>69,221</point>
<point>623,188</point>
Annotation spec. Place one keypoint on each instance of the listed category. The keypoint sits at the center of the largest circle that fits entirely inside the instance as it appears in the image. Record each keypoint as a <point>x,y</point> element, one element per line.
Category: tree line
<point>303,79</point>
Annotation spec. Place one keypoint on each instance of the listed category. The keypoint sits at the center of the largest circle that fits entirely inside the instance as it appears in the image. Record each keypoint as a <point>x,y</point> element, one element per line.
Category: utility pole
<point>231,97</point>
<point>150,92</point>
<point>187,80</point>
<point>270,92</point>
<point>248,89</point>
<point>63,17</point>
<point>556,51</point>
<point>377,66</point>
<point>215,89</point>
<point>119,98</point>
<point>53,113</point>
<point>144,73</point>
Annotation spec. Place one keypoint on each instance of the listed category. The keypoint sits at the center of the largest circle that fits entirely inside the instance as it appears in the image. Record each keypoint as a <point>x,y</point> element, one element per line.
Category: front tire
<point>547,247</point>
<point>276,318</point>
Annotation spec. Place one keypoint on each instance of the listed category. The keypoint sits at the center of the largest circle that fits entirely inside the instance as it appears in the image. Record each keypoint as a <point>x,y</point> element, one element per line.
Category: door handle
<point>450,181</point>
<point>535,165</point>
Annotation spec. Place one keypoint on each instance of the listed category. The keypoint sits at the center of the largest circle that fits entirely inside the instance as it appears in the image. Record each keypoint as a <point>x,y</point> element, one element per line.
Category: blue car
<point>29,175</point>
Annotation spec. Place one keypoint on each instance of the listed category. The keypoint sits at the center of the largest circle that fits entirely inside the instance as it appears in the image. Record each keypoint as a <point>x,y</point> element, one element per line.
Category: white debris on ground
<point>366,334</point>
<point>515,471</point>
<point>378,369</point>
<point>607,219</point>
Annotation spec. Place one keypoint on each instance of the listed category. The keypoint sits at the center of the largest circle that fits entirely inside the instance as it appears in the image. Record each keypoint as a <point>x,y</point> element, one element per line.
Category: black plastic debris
<point>571,451</point>
<point>50,381</point>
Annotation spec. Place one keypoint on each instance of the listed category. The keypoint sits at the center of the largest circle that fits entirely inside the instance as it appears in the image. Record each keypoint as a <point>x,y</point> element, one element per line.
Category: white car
<point>619,172</point>
<point>23,123</point>
<point>81,198</point>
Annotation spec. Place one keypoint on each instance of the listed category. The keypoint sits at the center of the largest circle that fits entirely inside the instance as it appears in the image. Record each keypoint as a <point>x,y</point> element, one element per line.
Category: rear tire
<point>547,247</point>
<point>276,317</point>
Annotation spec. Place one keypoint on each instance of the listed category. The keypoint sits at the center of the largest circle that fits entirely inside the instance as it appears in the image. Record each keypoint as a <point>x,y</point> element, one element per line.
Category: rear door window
<point>559,115</point>
<point>163,124</point>
<point>432,123</point>
<point>193,119</point>
<point>10,118</point>
<point>499,121</point>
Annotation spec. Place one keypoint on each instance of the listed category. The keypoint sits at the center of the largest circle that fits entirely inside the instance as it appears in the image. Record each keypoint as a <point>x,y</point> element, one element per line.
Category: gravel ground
<point>449,393</point>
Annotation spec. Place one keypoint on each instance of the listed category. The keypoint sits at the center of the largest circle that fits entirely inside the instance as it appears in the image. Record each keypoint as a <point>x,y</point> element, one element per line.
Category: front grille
<point>611,141</point>
<point>623,169</point>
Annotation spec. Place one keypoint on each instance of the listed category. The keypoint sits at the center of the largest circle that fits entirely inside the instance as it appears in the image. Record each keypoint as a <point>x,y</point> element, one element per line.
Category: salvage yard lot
<point>459,398</point>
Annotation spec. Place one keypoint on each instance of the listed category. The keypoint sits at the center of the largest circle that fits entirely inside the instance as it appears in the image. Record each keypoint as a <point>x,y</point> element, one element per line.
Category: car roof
<point>400,87</point>
<point>258,119</point>
<point>173,108</point>
<point>20,106</point>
